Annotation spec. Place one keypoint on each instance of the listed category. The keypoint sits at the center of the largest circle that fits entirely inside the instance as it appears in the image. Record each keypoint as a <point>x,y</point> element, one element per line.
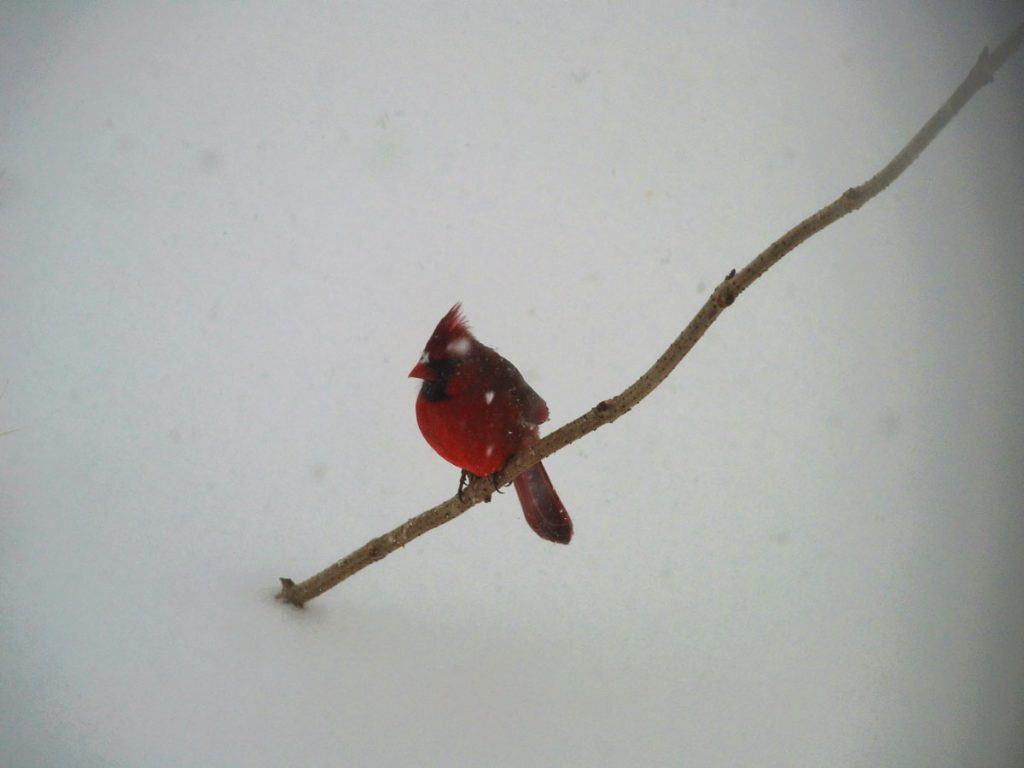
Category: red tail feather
<point>542,507</point>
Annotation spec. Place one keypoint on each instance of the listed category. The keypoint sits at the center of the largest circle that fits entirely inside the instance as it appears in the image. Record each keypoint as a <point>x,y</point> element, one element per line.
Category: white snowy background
<point>226,231</point>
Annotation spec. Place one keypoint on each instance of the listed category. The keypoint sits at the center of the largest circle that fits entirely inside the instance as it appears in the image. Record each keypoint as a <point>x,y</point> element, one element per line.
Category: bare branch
<point>723,296</point>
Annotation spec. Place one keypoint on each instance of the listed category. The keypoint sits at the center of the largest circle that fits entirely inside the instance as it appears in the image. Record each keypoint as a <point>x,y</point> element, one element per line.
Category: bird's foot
<point>468,477</point>
<point>464,479</point>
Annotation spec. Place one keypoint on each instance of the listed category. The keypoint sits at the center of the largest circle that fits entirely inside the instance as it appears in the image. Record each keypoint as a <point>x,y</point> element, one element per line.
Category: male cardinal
<point>476,410</point>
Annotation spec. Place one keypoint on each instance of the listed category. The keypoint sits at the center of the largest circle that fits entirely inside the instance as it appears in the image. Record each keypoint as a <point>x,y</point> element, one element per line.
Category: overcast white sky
<point>226,231</point>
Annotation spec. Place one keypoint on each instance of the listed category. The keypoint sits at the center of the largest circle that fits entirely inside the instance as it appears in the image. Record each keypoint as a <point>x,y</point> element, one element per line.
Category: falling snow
<point>460,346</point>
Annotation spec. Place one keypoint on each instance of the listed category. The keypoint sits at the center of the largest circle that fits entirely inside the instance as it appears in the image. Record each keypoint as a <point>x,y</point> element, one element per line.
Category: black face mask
<point>434,390</point>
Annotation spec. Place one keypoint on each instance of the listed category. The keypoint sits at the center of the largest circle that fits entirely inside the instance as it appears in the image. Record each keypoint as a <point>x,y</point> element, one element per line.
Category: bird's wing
<point>534,409</point>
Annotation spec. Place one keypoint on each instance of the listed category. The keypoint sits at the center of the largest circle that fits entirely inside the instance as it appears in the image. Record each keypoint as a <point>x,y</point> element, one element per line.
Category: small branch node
<point>983,67</point>
<point>853,194</point>
<point>725,294</point>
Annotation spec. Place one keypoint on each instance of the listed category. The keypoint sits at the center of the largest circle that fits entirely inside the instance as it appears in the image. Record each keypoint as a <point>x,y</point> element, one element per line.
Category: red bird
<point>476,410</point>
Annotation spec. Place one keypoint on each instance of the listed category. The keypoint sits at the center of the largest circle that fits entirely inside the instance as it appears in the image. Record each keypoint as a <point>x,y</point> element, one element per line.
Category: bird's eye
<point>444,368</point>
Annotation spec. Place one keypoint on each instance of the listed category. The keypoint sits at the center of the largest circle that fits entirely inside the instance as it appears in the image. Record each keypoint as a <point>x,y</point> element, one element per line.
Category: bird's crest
<point>453,324</point>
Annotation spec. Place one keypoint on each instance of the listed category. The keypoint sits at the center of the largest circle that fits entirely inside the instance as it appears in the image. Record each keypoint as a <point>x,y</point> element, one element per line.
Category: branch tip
<point>289,593</point>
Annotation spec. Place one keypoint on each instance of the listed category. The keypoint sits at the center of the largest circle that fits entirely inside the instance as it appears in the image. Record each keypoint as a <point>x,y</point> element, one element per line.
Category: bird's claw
<point>467,477</point>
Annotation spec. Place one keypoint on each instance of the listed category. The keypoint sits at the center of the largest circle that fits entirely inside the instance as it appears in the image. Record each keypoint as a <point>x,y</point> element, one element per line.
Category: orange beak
<point>421,371</point>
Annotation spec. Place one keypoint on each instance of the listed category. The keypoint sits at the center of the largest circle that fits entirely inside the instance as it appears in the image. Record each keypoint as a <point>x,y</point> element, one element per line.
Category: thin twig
<point>723,296</point>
